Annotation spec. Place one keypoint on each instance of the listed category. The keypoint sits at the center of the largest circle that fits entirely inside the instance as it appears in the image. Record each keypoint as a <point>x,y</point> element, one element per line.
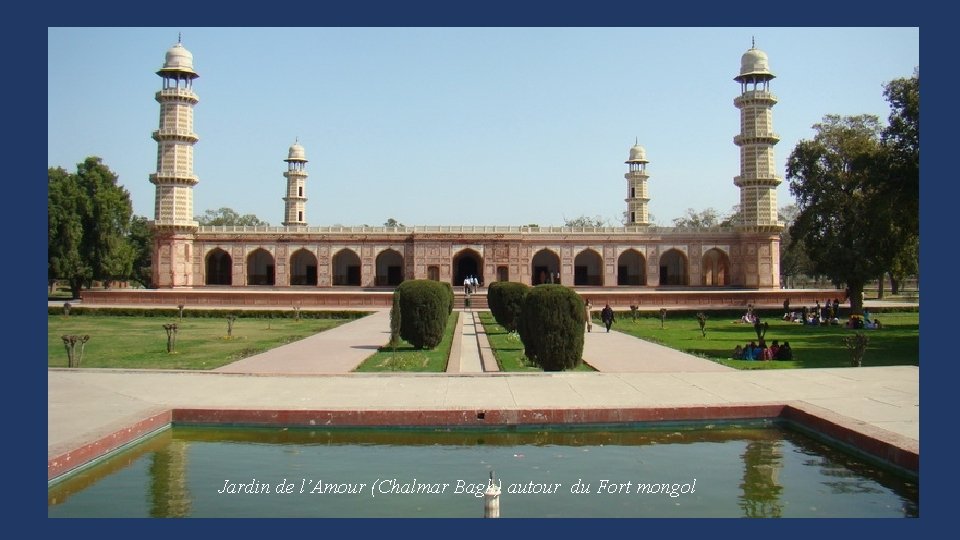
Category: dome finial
<point>179,37</point>
<point>753,42</point>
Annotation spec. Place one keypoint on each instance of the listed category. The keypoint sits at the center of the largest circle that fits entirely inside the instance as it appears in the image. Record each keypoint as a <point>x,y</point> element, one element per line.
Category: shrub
<point>508,297</point>
<point>551,327</point>
<point>495,300</point>
<point>424,308</point>
<point>449,291</point>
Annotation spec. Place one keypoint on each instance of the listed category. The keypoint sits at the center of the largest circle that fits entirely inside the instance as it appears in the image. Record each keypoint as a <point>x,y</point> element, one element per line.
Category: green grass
<point>897,343</point>
<point>202,343</point>
<point>508,349</point>
<point>407,358</point>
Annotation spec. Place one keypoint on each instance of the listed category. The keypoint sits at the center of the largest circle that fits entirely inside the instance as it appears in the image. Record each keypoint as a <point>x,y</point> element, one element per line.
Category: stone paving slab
<point>338,350</point>
<point>618,352</point>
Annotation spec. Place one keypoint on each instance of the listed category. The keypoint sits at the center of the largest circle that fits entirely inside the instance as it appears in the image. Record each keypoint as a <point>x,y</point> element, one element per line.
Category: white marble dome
<point>297,152</point>
<point>754,62</point>
<point>179,59</point>
<point>638,153</point>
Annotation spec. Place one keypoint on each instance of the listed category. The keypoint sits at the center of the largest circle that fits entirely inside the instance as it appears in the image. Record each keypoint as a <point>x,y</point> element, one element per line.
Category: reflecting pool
<point>755,469</point>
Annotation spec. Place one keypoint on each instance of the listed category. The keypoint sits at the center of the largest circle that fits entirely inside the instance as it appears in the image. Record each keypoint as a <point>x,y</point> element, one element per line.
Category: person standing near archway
<point>607,316</point>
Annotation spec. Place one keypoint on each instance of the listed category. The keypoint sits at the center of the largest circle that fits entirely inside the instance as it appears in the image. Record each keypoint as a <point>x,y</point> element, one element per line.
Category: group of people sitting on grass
<point>857,323</point>
<point>817,316</point>
<point>752,351</point>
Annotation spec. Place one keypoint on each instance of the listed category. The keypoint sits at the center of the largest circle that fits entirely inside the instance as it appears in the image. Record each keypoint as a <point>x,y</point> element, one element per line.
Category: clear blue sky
<point>446,126</point>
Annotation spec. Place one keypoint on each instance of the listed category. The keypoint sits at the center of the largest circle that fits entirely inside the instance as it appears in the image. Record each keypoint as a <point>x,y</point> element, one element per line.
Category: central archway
<point>467,262</point>
<point>545,267</point>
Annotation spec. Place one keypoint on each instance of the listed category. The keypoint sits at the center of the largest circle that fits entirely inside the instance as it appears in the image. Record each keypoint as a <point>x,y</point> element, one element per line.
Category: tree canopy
<point>706,218</point>
<point>88,217</point>
<point>857,185</point>
<point>228,216</point>
<point>844,221</point>
<point>586,221</point>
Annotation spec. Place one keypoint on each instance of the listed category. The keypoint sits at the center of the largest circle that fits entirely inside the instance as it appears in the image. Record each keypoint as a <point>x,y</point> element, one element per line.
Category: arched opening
<point>346,269</point>
<point>467,263</point>
<point>631,268</point>
<point>260,267</point>
<point>673,268</point>
<point>433,273</point>
<point>716,268</point>
<point>389,268</point>
<point>303,268</point>
<point>545,267</point>
<point>588,268</point>
<point>219,266</point>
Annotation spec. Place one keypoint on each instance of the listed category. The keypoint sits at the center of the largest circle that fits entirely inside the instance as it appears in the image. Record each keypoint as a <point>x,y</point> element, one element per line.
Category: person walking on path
<point>588,307</point>
<point>607,316</point>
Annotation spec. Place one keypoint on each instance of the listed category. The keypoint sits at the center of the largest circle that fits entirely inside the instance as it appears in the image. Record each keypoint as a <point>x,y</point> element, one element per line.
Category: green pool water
<point>728,470</point>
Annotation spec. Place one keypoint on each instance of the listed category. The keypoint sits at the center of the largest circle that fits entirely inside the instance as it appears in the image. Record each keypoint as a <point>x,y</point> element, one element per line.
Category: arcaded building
<point>300,256</point>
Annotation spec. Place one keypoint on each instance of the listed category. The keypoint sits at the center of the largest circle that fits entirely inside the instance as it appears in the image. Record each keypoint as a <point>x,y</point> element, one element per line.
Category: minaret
<point>637,197</point>
<point>758,180</point>
<point>295,203</point>
<point>174,178</point>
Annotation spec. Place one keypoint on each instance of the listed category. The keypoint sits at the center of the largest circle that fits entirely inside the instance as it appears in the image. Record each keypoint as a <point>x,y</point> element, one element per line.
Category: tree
<point>66,205</point>
<point>793,256</point>
<point>844,219</point>
<point>392,223</point>
<point>698,220</point>
<point>585,221</point>
<point>901,138</point>
<point>551,327</point>
<point>88,218</point>
<point>141,239</point>
<point>229,216</point>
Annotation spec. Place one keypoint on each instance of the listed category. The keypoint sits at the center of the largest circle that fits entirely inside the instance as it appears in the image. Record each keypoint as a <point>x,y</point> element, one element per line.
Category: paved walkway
<point>338,350</point>
<point>86,405</point>
<point>622,353</point>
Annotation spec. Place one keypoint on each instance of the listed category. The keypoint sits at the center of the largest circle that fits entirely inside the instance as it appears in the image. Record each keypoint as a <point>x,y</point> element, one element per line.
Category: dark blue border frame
<point>26,51</point>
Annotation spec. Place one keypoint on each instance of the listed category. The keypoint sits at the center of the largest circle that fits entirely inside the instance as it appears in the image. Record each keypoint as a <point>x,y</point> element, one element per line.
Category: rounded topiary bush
<point>423,308</point>
<point>551,327</point>
<point>509,298</point>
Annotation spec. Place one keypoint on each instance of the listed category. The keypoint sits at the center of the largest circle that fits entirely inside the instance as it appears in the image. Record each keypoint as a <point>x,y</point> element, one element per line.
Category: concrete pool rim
<point>882,447</point>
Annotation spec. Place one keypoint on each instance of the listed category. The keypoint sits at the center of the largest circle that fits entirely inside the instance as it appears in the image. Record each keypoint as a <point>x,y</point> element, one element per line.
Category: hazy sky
<point>446,126</point>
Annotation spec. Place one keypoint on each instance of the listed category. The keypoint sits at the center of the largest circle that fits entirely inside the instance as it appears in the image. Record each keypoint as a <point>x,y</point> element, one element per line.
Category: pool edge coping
<point>877,443</point>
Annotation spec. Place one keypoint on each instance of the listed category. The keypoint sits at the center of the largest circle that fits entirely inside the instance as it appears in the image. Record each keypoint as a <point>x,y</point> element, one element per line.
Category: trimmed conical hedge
<point>423,307</point>
<point>551,327</point>
<point>505,300</point>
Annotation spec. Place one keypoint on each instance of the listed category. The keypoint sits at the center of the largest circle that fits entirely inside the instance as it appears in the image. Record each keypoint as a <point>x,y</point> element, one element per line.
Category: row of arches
<point>261,270</point>
<point>545,268</point>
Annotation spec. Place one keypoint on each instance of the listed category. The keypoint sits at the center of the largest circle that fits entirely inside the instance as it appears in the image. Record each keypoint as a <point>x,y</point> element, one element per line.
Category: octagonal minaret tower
<point>758,180</point>
<point>295,203</point>
<point>637,197</point>
<point>173,205</point>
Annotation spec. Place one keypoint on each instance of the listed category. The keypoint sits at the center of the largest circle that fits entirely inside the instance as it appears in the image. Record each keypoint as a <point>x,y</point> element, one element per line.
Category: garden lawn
<point>408,358</point>
<point>896,344</point>
<point>508,349</point>
<point>202,343</point>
